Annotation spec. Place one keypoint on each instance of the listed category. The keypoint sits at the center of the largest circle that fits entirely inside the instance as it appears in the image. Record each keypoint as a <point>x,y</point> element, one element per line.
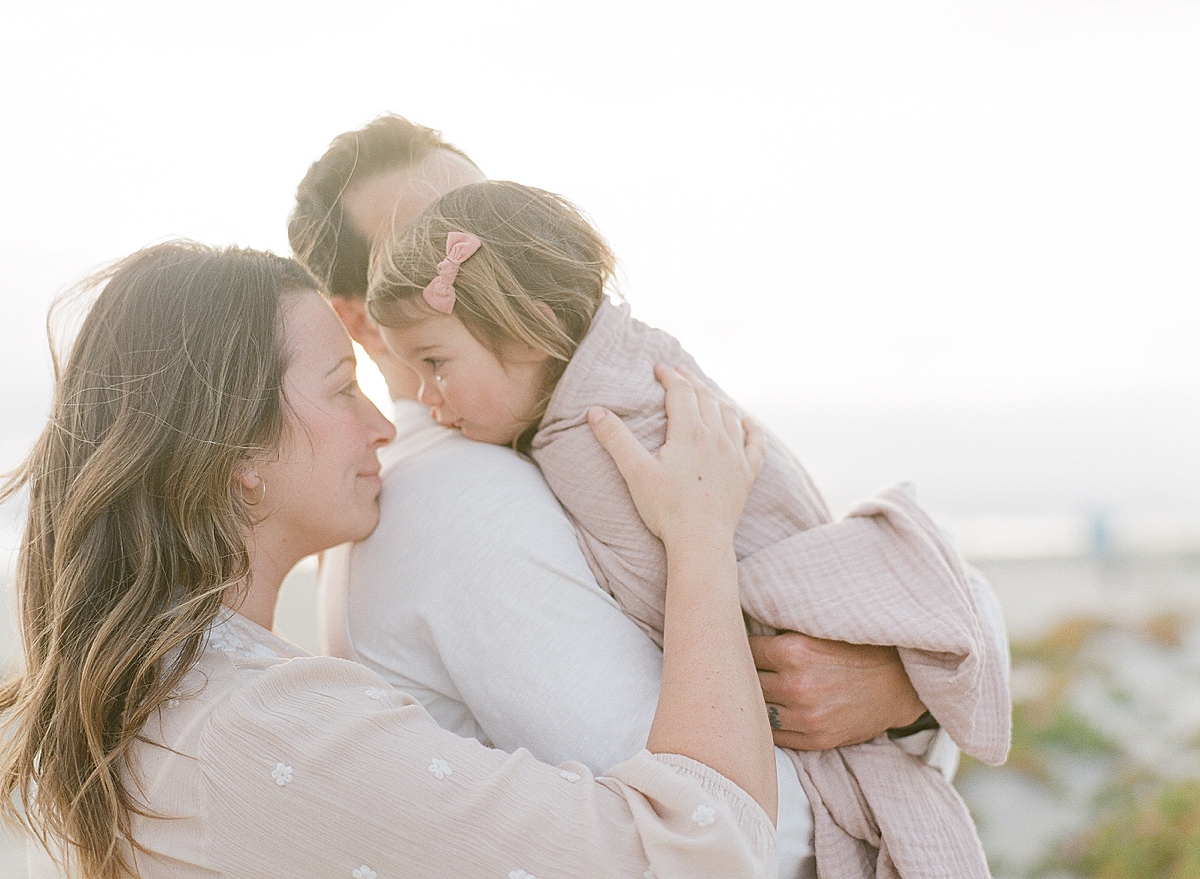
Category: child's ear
<point>549,312</point>
<point>519,352</point>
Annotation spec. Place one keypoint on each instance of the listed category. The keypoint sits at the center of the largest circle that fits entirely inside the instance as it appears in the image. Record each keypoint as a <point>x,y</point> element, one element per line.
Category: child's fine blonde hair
<point>537,278</point>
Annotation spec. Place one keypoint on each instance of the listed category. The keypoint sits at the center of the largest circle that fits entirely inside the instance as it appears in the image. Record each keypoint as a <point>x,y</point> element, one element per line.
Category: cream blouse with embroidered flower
<point>274,763</point>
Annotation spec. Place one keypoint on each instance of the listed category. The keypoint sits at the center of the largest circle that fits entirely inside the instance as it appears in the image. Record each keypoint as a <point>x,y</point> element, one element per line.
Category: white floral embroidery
<point>282,774</point>
<point>374,693</point>
<point>440,768</point>
<point>521,874</point>
<point>223,637</point>
<point>570,776</point>
<point>232,634</point>
<point>704,815</point>
<point>173,702</point>
<point>364,872</point>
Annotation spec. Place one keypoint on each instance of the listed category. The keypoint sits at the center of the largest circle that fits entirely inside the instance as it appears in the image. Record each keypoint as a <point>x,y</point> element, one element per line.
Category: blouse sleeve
<point>317,767</point>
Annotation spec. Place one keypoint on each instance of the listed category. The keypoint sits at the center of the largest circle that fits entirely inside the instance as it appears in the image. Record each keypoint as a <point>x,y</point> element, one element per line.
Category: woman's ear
<point>253,486</point>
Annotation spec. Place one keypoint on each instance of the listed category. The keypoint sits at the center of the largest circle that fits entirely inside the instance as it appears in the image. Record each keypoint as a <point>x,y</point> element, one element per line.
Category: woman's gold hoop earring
<point>262,484</point>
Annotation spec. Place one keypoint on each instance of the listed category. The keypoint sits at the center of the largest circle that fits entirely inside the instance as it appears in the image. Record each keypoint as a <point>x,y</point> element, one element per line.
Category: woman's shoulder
<point>249,668</point>
<point>246,669</point>
<point>232,708</point>
<point>264,693</point>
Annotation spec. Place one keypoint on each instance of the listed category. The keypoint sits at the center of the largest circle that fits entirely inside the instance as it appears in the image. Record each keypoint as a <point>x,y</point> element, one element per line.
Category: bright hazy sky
<point>841,207</point>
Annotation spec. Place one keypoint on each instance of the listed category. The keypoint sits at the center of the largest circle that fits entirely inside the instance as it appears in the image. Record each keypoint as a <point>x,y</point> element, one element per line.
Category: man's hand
<point>824,694</point>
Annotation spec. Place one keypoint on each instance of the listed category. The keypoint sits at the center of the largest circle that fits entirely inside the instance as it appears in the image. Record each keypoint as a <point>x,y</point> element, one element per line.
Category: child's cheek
<point>497,409</point>
<point>481,405</point>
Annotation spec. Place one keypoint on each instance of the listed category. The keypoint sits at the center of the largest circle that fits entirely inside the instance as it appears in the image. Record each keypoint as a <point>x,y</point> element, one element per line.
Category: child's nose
<point>428,394</point>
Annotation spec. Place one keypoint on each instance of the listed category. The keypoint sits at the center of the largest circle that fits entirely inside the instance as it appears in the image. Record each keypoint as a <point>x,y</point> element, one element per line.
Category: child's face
<point>489,398</point>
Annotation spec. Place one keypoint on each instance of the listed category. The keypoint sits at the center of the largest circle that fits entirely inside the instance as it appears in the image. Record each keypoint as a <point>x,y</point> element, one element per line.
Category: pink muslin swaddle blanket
<point>882,575</point>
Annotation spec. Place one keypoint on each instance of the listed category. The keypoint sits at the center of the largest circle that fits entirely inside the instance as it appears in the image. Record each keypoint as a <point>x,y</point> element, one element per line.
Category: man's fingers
<point>791,730</point>
<point>765,649</point>
<point>794,692</point>
<point>773,688</point>
<point>627,453</point>
<point>789,651</point>
<point>783,720</point>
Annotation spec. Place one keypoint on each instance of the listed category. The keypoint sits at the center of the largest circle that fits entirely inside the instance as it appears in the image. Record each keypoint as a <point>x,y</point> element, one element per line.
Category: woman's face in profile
<point>322,488</point>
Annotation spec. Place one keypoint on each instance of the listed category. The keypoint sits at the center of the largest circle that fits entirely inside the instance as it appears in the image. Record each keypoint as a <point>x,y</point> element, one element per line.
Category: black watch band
<point>922,723</point>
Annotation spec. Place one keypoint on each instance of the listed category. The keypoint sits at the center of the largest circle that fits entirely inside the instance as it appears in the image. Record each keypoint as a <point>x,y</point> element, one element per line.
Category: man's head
<point>347,198</point>
<point>369,181</point>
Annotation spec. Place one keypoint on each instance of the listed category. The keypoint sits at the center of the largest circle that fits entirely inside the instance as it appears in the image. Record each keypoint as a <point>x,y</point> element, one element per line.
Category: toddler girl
<point>495,296</point>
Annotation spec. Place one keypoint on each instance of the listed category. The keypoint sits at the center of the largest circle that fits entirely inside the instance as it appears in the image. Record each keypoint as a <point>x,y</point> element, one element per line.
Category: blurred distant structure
<point>1100,536</point>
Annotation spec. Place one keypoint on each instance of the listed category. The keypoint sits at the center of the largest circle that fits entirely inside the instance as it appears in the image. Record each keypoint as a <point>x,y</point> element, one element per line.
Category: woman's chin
<point>364,523</point>
<point>371,522</point>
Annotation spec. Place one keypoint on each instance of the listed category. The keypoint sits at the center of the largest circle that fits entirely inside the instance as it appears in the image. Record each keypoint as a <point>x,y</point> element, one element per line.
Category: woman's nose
<point>384,430</point>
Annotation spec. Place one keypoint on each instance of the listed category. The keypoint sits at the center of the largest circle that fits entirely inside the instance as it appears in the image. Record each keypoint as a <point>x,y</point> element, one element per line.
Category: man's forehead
<point>445,170</point>
<point>390,200</point>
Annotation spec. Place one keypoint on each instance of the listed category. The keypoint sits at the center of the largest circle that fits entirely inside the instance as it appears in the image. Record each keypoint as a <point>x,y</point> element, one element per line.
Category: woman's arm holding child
<point>691,495</point>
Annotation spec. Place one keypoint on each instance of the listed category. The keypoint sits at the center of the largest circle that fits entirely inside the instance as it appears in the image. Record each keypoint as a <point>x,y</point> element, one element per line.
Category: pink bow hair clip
<point>439,292</point>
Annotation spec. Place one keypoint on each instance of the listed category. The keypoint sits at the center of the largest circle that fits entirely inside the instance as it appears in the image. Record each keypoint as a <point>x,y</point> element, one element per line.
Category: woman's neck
<point>268,566</point>
<point>257,605</point>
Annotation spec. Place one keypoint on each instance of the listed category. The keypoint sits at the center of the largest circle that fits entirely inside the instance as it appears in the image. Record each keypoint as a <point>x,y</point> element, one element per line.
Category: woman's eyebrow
<point>347,359</point>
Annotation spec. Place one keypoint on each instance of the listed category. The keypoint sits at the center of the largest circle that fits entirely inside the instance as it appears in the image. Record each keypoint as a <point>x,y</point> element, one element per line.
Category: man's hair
<point>322,236</point>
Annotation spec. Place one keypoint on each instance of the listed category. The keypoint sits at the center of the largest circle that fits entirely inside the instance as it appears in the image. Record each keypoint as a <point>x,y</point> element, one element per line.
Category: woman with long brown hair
<point>207,432</point>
